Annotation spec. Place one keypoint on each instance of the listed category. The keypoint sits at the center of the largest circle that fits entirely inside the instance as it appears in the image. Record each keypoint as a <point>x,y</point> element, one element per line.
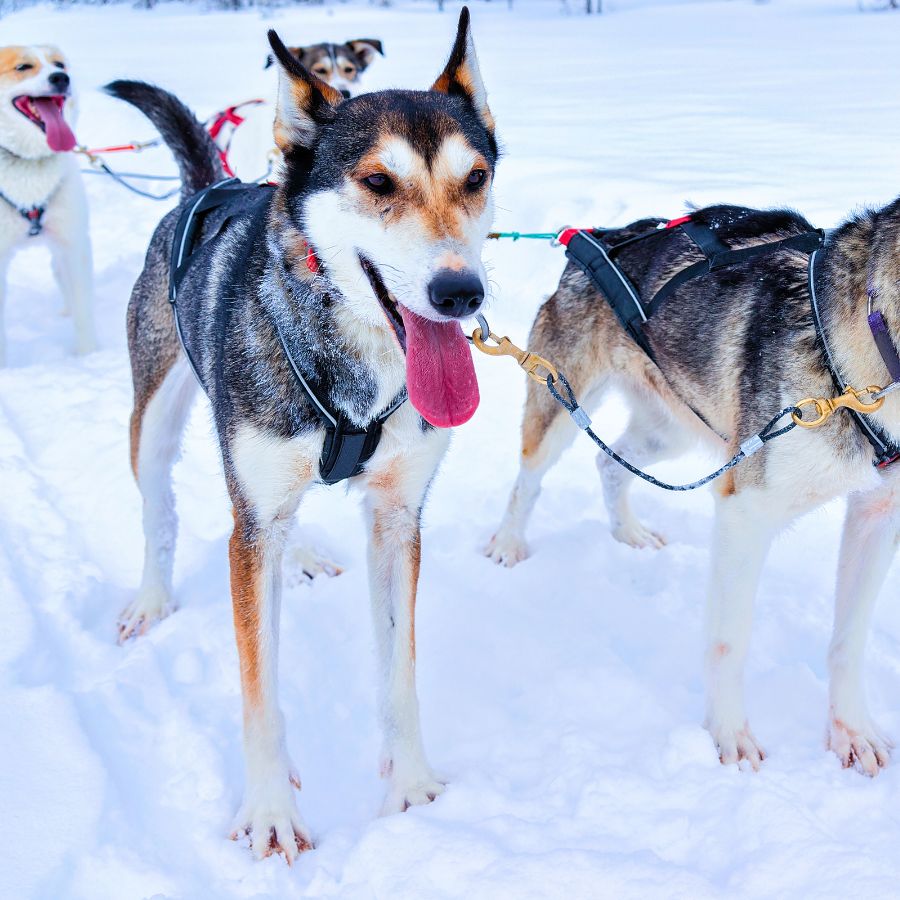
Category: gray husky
<point>352,275</point>
<point>734,347</point>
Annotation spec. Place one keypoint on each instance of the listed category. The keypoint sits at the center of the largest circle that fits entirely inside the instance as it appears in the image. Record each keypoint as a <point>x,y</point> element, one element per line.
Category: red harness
<point>222,126</point>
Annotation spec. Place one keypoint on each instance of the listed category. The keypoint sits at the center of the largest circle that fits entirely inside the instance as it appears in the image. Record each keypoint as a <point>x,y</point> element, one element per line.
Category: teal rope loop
<point>517,235</point>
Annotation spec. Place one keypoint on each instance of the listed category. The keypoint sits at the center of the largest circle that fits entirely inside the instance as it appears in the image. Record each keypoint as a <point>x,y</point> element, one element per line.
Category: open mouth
<point>440,376</point>
<point>47,114</point>
<point>388,304</point>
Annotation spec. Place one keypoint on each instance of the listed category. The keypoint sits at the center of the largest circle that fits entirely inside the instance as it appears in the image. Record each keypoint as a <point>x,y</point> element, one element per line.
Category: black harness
<point>347,447</point>
<point>34,215</point>
<point>588,251</point>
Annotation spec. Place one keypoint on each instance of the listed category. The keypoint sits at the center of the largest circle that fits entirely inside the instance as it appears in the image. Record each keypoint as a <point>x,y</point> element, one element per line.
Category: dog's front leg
<point>73,269</point>
<point>394,510</point>
<point>867,548</point>
<point>268,814</point>
<point>743,534</point>
<point>4,263</point>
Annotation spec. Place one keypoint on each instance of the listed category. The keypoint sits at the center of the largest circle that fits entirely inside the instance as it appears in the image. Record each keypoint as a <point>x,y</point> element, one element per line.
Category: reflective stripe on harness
<point>347,447</point>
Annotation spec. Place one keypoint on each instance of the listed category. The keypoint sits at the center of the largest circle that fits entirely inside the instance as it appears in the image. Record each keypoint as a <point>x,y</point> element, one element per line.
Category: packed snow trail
<point>562,699</point>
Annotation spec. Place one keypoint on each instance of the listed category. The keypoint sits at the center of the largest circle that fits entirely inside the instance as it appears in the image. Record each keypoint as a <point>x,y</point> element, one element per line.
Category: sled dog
<point>734,347</point>
<point>41,194</point>
<point>248,145</point>
<point>340,65</point>
<point>339,290</point>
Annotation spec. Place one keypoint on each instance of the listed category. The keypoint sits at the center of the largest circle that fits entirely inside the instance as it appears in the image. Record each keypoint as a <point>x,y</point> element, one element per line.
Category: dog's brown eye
<point>59,65</point>
<point>24,67</point>
<point>348,71</point>
<point>379,183</point>
<point>476,178</point>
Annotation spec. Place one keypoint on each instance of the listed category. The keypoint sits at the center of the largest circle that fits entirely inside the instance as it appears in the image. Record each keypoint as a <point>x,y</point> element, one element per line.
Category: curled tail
<point>196,154</point>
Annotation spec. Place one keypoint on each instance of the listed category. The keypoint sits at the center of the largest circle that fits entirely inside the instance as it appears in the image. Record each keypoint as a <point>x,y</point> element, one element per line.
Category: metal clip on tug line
<point>825,407</point>
<point>531,363</point>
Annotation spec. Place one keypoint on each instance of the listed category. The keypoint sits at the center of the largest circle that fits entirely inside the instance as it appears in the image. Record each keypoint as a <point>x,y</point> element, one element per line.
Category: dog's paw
<point>85,345</point>
<point>411,792</point>
<point>863,749</point>
<point>273,826</point>
<point>636,534</point>
<point>506,550</point>
<point>149,607</point>
<point>302,565</point>
<point>736,745</point>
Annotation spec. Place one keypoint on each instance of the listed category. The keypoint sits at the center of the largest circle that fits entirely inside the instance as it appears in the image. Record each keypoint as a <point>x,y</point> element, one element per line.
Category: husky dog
<point>248,148</point>
<point>340,65</point>
<point>41,193</point>
<point>390,193</point>
<point>737,346</point>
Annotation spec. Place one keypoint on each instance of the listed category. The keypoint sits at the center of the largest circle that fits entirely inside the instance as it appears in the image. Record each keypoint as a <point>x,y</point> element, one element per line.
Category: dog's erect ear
<point>304,101</point>
<point>461,76</point>
<point>366,48</point>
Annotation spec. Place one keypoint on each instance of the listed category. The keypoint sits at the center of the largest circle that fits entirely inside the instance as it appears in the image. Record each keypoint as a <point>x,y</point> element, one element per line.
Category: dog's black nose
<point>456,295</point>
<point>345,93</point>
<point>59,81</point>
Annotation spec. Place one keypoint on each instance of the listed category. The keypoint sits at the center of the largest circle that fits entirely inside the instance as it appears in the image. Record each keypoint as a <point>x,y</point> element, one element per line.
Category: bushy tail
<point>196,154</point>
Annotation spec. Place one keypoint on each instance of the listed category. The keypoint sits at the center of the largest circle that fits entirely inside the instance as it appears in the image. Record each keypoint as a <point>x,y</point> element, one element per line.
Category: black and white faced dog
<point>339,65</point>
<point>352,274</point>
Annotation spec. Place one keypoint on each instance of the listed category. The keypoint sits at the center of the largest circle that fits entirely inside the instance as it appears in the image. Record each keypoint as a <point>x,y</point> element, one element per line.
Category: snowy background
<point>563,698</point>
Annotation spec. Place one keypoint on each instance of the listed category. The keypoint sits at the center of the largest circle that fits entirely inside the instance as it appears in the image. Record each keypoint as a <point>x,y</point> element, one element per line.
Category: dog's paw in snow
<point>417,792</point>
<point>737,745</point>
<point>148,608</point>
<point>864,749</point>
<point>303,564</point>
<point>506,550</point>
<point>273,825</point>
<point>635,534</point>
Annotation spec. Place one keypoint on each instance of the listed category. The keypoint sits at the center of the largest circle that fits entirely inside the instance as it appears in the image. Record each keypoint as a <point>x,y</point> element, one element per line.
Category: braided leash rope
<point>544,372</point>
<point>747,448</point>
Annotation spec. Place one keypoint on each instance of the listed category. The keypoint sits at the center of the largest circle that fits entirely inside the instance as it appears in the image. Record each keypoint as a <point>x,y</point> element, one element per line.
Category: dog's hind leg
<point>743,533</point>
<point>546,431</point>
<point>651,436</point>
<point>870,537</point>
<point>393,506</point>
<point>157,424</point>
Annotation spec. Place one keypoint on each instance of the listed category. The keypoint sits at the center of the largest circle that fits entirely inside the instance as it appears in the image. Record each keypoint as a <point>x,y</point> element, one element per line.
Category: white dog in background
<point>41,193</point>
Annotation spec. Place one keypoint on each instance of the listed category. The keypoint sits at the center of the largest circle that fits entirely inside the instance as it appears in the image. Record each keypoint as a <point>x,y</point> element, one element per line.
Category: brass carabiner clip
<point>825,407</point>
<point>531,363</point>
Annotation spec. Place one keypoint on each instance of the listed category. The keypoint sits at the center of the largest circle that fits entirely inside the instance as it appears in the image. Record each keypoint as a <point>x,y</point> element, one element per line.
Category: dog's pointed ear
<point>366,48</point>
<point>461,76</point>
<point>304,101</point>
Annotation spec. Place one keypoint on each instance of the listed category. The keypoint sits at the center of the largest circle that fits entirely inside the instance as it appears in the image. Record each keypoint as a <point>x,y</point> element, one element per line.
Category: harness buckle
<point>825,407</point>
<point>536,367</point>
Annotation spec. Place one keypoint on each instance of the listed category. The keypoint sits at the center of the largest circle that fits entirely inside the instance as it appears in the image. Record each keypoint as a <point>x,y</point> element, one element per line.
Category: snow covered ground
<point>563,698</point>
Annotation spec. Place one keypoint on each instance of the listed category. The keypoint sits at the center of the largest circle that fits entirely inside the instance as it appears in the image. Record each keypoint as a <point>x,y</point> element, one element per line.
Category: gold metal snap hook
<point>534,366</point>
<point>825,407</point>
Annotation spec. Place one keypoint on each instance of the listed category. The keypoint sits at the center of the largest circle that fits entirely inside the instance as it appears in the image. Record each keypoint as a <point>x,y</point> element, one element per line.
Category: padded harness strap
<point>347,447</point>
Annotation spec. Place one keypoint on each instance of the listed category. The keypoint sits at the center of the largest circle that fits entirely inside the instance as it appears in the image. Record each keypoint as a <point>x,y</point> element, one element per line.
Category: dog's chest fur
<point>31,182</point>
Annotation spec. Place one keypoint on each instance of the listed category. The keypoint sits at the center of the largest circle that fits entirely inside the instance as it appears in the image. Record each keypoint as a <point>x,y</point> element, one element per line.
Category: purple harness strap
<point>885,344</point>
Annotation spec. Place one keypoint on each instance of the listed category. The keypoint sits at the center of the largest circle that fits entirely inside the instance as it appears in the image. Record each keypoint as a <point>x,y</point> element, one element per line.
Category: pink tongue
<point>440,376</point>
<point>59,135</point>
